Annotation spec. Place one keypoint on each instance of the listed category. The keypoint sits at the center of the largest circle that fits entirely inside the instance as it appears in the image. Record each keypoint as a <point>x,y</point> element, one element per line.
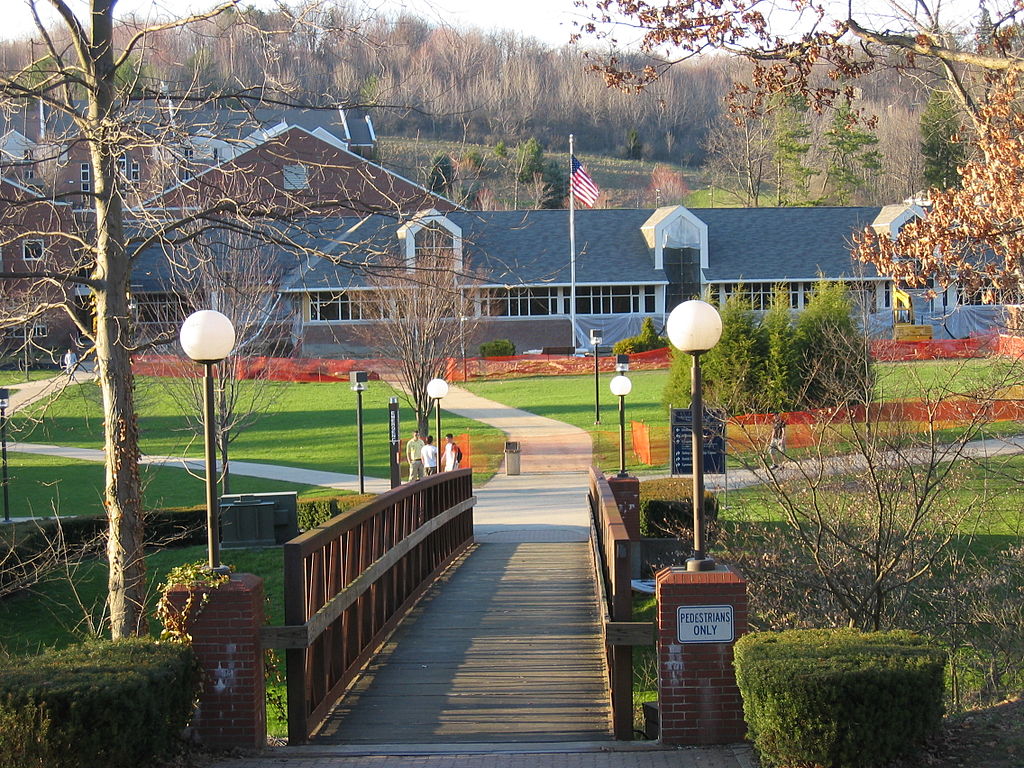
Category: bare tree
<point>236,273</point>
<point>422,316</point>
<point>108,114</point>
<point>873,500</point>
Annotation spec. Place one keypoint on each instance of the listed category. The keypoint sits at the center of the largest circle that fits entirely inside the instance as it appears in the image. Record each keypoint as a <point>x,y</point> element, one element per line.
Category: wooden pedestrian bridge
<point>401,628</point>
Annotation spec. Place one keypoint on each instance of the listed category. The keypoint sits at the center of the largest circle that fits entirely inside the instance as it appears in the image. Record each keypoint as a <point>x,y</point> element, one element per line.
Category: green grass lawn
<point>8,378</point>
<point>310,425</point>
<point>44,486</point>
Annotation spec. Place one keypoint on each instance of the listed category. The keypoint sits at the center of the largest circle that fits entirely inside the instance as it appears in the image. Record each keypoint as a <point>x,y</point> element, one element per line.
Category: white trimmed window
<point>86,177</point>
<point>523,302</point>
<point>296,177</point>
<point>614,299</point>
<point>33,250</point>
<point>129,168</point>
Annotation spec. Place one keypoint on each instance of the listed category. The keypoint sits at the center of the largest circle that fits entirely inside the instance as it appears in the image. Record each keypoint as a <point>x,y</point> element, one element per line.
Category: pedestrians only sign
<point>705,623</point>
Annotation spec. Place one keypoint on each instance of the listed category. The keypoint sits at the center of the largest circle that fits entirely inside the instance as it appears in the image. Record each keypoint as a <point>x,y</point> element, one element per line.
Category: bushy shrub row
<point>666,509</point>
<point>839,698</point>
<point>96,705</point>
<point>318,511</point>
<point>497,348</point>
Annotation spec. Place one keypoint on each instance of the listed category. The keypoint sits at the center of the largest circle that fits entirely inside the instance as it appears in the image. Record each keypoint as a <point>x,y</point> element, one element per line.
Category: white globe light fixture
<point>436,390</point>
<point>207,337</point>
<point>695,327</point>
<point>622,386</point>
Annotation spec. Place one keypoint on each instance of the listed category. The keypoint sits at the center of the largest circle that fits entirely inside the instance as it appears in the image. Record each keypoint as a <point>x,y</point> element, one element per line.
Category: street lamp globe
<point>621,386</point>
<point>437,388</point>
<point>207,336</point>
<point>694,326</point>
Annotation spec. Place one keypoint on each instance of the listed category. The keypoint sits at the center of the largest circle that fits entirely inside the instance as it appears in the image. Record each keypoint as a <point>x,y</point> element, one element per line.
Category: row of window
<point>874,295</point>
<point>326,306</point>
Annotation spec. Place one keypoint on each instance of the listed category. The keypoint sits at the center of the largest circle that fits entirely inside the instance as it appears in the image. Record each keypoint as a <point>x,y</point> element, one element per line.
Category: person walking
<point>414,453</point>
<point>429,455</point>
<point>451,456</point>
<point>70,363</point>
<point>777,444</point>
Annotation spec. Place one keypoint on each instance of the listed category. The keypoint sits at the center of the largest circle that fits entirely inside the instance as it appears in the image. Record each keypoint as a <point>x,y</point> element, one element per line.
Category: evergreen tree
<point>676,393</point>
<point>556,186</point>
<point>831,350</point>
<point>634,147</point>
<point>442,175</point>
<point>779,389</point>
<point>851,155</point>
<point>791,134</point>
<point>529,160</point>
<point>733,369</point>
<point>501,149</point>
<point>943,155</point>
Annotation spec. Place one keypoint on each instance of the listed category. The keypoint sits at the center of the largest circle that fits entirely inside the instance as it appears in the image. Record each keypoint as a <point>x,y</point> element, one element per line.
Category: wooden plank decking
<point>506,648</point>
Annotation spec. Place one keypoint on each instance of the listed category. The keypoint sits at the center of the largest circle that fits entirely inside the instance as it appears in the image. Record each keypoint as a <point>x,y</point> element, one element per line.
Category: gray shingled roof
<point>783,243</point>
<point>512,248</point>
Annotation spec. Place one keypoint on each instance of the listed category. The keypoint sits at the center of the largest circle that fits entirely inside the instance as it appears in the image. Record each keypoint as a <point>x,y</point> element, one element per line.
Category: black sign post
<point>682,441</point>
<point>394,437</point>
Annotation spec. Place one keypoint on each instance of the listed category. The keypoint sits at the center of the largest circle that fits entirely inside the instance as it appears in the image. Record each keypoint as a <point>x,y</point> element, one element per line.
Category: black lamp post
<point>622,386</point>
<point>5,400</point>
<point>358,379</point>
<point>207,337</point>
<point>695,327</point>
<point>596,337</point>
<point>436,390</point>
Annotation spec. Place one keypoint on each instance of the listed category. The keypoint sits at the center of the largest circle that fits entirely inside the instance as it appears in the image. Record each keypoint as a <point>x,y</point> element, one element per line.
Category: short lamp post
<point>694,327</point>
<point>5,400</point>
<point>596,337</point>
<point>207,337</point>
<point>358,381</point>
<point>436,390</point>
<point>621,386</point>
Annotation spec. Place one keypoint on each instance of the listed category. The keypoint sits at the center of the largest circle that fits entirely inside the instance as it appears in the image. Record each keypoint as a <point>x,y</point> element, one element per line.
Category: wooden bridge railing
<point>350,581</point>
<point>612,552</point>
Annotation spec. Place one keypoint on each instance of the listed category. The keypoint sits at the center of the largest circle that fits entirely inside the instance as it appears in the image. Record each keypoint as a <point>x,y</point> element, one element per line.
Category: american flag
<point>583,187</point>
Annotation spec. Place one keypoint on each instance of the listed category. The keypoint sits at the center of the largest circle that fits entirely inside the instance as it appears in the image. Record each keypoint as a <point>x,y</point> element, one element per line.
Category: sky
<point>548,20</point>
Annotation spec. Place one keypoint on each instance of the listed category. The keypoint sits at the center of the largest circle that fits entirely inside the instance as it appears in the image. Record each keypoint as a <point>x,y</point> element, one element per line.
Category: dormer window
<point>296,177</point>
<point>433,242</point>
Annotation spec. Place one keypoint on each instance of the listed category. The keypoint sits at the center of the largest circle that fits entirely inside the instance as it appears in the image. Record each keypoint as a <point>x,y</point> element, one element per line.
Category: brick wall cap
<point>676,574</point>
<point>239,582</point>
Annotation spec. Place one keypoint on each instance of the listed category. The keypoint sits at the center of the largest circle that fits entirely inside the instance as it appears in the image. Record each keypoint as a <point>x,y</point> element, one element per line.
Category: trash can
<point>258,519</point>
<point>511,458</point>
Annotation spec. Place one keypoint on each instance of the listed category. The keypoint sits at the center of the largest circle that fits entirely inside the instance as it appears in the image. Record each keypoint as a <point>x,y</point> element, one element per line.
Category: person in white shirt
<point>429,456</point>
<point>70,362</point>
<point>451,455</point>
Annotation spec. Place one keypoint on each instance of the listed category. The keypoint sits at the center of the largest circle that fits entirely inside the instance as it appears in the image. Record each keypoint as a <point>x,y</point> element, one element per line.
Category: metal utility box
<point>258,519</point>
<point>511,458</point>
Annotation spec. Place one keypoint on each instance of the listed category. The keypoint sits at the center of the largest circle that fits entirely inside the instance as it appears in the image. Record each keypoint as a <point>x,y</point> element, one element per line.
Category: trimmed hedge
<point>839,698</point>
<point>96,705</point>
<point>318,511</point>
<point>497,348</point>
<point>666,509</point>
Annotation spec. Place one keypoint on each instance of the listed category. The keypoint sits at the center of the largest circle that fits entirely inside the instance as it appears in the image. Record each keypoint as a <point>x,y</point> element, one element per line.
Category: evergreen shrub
<point>318,511</point>
<point>97,705</point>
<point>644,341</point>
<point>839,698</point>
<point>666,509</point>
<point>497,348</point>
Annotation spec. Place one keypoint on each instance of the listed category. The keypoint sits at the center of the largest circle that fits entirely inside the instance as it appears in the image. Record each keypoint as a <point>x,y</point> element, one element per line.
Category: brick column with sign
<point>700,617</point>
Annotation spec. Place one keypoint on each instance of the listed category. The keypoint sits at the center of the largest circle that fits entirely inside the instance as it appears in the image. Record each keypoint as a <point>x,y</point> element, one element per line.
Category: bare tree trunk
<point>122,492</point>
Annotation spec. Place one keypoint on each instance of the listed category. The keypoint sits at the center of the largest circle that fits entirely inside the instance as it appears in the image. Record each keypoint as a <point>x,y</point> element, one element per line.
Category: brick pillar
<point>697,694</point>
<point>226,638</point>
<point>626,491</point>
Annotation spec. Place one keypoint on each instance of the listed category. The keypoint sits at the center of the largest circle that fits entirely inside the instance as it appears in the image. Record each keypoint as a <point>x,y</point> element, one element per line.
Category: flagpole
<point>572,249</point>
